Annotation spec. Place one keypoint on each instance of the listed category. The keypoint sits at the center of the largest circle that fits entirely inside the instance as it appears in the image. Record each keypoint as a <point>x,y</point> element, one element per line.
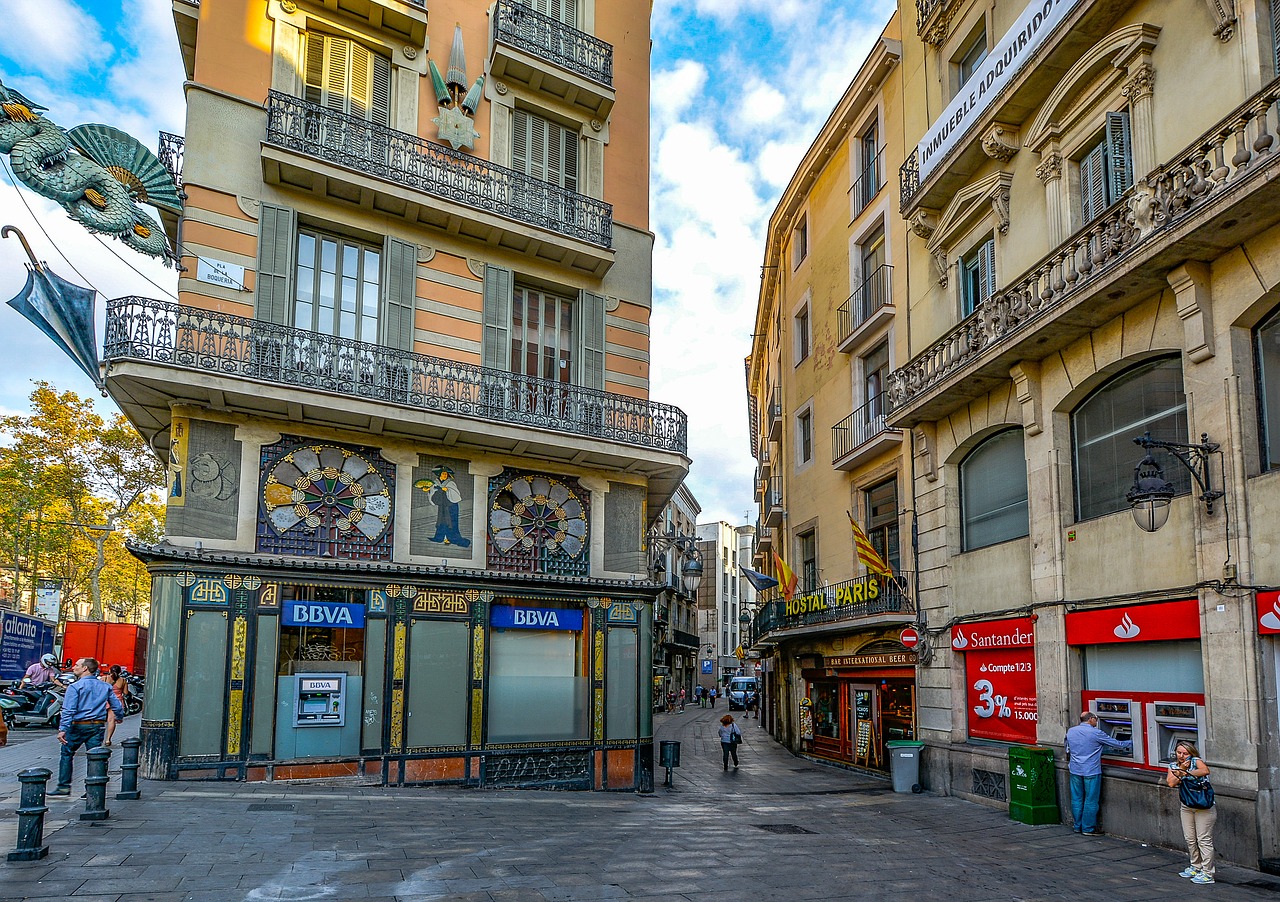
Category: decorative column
<point>1050,174</point>
<point>1140,88</point>
<point>159,731</point>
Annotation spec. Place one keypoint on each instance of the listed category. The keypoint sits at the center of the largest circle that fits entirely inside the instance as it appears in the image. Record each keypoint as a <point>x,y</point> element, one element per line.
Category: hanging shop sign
<point>323,613</point>
<point>891,659</point>
<point>1135,623</point>
<point>993,74</point>
<point>1269,613</point>
<point>1000,676</point>
<point>535,618</point>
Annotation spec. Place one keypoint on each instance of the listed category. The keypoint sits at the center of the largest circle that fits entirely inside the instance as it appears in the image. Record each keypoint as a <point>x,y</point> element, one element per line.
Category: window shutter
<point>570,159</point>
<point>591,340</point>
<point>360,88</point>
<point>336,75</point>
<point>314,79</point>
<point>986,270</point>
<point>495,351</point>
<point>1093,183</point>
<point>1275,33</point>
<point>520,141</point>
<point>1119,155</point>
<point>399,293</point>
<point>537,147</point>
<point>273,298</point>
<point>380,99</point>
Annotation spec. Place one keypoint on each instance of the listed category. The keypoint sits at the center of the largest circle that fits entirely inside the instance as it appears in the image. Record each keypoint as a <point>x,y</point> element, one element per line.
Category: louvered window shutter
<point>591,340</point>
<point>1119,155</point>
<point>380,99</point>
<point>1093,183</point>
<point>314,80</point>
<point>360,65</point>
<point>399,293</point>
<point>273,299</point>
<point>569,141</point>
<point>520,141</point>
<point>495,351</point>
<point>1275,33</point>
<point>537,147</point>
<point>988,269</point>
<point>337,73</point>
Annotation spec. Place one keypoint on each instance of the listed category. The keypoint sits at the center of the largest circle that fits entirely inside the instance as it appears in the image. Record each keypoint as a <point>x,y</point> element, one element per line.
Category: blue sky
<point>741,88</point>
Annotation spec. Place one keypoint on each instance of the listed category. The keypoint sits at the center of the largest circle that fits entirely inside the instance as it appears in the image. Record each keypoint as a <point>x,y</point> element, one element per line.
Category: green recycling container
<point>1033,788</point>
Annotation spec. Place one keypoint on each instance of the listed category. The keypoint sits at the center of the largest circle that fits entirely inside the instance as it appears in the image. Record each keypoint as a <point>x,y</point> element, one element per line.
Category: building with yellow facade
<point>404,397</point>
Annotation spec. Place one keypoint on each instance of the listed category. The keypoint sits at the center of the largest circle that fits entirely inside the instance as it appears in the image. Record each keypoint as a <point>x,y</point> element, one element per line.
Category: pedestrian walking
<point>1190,774</point>
<point>1085,743</point>
<point>681,699</point>
<point>671,701</point>
<point>750,707</point>
<point>730,739</point>
<point>84,718</point>
<point>115,679</point>
<point>713,696</point>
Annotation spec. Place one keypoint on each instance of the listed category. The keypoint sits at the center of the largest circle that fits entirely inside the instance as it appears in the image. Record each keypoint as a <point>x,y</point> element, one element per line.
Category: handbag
<point>1196,792</point>
<point>735,738</point>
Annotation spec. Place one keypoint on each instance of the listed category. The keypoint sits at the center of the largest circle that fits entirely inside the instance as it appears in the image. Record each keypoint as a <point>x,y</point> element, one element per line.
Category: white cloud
<point>51,36</point>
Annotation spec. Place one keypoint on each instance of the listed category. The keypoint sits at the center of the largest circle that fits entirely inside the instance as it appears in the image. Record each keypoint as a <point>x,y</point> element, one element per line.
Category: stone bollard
<point>95,786</point>
<point>31,816</point>
<point>129,770</point>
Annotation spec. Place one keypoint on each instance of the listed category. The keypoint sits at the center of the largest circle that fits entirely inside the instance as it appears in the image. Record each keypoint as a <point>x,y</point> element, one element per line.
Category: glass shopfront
<point>539,686</point>
<point>855,712</point>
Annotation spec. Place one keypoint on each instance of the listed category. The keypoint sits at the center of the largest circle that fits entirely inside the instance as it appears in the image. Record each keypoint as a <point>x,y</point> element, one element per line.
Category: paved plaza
<point>778,827</point>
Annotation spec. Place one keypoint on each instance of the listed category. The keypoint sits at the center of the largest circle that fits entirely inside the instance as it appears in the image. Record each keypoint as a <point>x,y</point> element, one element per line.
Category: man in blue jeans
<point>1085,743</point>
<point>84,717</point>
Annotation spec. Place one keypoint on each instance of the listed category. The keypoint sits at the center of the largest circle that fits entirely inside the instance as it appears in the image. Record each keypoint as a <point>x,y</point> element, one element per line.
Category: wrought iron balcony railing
<point>858,428</point>
<point>853,599</point>
<point>869,297</point>
<point>408,160</point>
<point>1195,179</point>
<point>773,493</point>
<point>523,27</point>
<point>868,184</point>
<point>209,341</point>
<point>908,180</point>
<point>171,150</point>
<point>687,640</point>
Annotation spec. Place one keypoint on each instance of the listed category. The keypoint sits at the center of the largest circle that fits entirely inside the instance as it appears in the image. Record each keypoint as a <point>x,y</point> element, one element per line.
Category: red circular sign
<point>909,637</point>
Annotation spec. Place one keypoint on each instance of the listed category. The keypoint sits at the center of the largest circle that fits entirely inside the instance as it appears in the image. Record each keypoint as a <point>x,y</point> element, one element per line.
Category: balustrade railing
<point>413,162</point>
<point>852,599</point>
<point>1192,181</point>
<point>924,9</point>
<point>867,298</point>
<point>209,341</point>
<point>858,428</point>
<point>543,36</point>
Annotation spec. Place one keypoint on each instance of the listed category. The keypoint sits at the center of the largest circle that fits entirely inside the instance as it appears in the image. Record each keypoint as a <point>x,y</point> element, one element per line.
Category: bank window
<point>338,287</point>
<point>544,149</point>
<point>802,334</point>
<point>993,491</point>
<point>1267,353</point>
<point>348,77</point>
<point>538,683</point>
<point>977,276</point>
<point>1106,169</point>
<point>808,547</point>
<point>804,436</point>
<point>971,57</point>
<point>541,334</point>
<point>1147,398</point>
<point>800,242</point>
<point>315,648</point>
<point>882,521</point>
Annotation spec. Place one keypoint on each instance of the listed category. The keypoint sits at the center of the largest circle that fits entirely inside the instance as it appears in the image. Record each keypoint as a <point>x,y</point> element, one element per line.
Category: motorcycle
<point>36,706</point>
<point>133,694</point>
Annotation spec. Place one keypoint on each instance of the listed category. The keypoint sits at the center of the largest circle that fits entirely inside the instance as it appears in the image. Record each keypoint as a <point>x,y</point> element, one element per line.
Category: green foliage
<point>64,470</point>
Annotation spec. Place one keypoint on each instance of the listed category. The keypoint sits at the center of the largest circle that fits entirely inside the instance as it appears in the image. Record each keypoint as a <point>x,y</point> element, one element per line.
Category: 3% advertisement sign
<point>1001,678</point>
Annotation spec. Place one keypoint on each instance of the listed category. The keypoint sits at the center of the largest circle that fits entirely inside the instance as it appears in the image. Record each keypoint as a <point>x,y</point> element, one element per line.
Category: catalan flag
<point>867,553</point>
<point>786,578</point>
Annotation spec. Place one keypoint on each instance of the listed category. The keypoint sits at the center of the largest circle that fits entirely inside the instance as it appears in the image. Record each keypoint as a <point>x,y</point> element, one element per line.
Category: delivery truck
<point>111,643</point>
<point>23,639</point>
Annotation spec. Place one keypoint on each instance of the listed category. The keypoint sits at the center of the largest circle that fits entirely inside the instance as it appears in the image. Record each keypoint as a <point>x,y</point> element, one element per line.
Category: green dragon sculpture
<point>97,173</point>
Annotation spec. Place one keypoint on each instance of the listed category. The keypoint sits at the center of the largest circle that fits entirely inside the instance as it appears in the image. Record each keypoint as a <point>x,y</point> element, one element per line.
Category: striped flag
<point>866,551</point>
<point>786,578</point>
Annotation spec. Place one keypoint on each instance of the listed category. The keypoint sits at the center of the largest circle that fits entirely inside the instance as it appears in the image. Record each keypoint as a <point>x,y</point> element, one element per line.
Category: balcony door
<point>347,77</point>
<point>544,149</point>
<point>563,11</point>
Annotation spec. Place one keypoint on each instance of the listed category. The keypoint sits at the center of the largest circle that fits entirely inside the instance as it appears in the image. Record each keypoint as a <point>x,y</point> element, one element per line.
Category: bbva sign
<point>324,613</point>
<point>536,618</point>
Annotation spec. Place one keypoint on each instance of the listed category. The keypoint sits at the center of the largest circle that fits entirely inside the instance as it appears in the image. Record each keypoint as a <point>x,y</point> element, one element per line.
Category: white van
<point>742,689</point>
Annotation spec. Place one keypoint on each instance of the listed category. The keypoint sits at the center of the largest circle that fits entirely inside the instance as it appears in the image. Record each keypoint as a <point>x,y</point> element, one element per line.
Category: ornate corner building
<point>1086,198</point>
<point>404,398</point>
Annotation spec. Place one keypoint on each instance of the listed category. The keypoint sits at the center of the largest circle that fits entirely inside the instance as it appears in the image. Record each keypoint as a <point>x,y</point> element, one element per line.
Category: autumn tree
<point>72,483</point>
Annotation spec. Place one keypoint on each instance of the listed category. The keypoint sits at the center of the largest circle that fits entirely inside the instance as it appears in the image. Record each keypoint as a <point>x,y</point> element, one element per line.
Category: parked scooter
<point>134,690</point>
<point>37,706</point>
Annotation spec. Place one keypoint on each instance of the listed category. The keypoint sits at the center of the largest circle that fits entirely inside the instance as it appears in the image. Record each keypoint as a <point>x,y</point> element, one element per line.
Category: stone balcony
<point>1211,197</point>
<point>311,148</point>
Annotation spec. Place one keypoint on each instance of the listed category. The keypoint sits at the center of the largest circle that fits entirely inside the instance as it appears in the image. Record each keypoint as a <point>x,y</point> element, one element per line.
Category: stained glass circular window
<point>538,512</point>
<point>323,486</point>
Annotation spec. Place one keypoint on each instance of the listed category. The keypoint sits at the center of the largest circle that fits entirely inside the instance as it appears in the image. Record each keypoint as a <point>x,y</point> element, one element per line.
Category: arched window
<point>993,491</point>
<point>1267,348</point>
<point>1147,398</point>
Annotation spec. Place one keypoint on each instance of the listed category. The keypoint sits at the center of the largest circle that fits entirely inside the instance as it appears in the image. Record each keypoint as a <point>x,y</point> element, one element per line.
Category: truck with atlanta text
<point>23,640</point>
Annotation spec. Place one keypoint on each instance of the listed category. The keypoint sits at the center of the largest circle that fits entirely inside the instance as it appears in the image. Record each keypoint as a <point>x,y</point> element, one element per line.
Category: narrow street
<point>777,827</point>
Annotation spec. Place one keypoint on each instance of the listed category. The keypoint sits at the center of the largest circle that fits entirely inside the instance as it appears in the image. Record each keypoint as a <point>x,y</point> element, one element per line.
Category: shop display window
<point>826,709</point>
<point>539,687</point>
<point>320,649</point>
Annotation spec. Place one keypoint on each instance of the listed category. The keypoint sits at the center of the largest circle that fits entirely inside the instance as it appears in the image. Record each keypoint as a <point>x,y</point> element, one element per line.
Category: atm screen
<point>317,704</point>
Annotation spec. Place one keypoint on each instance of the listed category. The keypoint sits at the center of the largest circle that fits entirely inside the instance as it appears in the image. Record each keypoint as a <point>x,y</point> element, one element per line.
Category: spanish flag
<point>866,551</point>
<point>786,579</point>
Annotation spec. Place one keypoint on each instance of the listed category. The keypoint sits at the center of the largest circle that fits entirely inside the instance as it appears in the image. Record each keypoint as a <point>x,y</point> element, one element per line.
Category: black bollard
<point>31,816</point>
<point>129,771</point>
<point>95,786</point>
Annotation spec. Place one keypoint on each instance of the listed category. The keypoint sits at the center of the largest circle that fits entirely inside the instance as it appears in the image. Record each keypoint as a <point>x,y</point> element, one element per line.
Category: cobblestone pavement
<point>777,827</point>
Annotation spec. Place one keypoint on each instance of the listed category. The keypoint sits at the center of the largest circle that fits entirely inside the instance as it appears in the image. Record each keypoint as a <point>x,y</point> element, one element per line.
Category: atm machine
<point>1173,721</point>
<point>1121,719</point>
<point>320,700</point>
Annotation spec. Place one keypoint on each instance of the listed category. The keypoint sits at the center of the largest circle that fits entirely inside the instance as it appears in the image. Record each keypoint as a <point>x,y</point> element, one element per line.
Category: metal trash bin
<point>904,764</point>
<point>1033,786</point>
<point>668,753</point>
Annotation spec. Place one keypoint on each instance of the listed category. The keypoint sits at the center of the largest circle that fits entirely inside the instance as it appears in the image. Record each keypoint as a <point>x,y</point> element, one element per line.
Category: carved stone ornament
<point>1050,167</point>
<point>1141,83</point>
<point>289,6</point>
<point>500,87</point>
<point>1224,14</point>
<point>923,223</point>
<point>936,33</point>
<point>410,52</point>
<point>1000,203</point>
<point>1001,142</point>
<point>940,263</point>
